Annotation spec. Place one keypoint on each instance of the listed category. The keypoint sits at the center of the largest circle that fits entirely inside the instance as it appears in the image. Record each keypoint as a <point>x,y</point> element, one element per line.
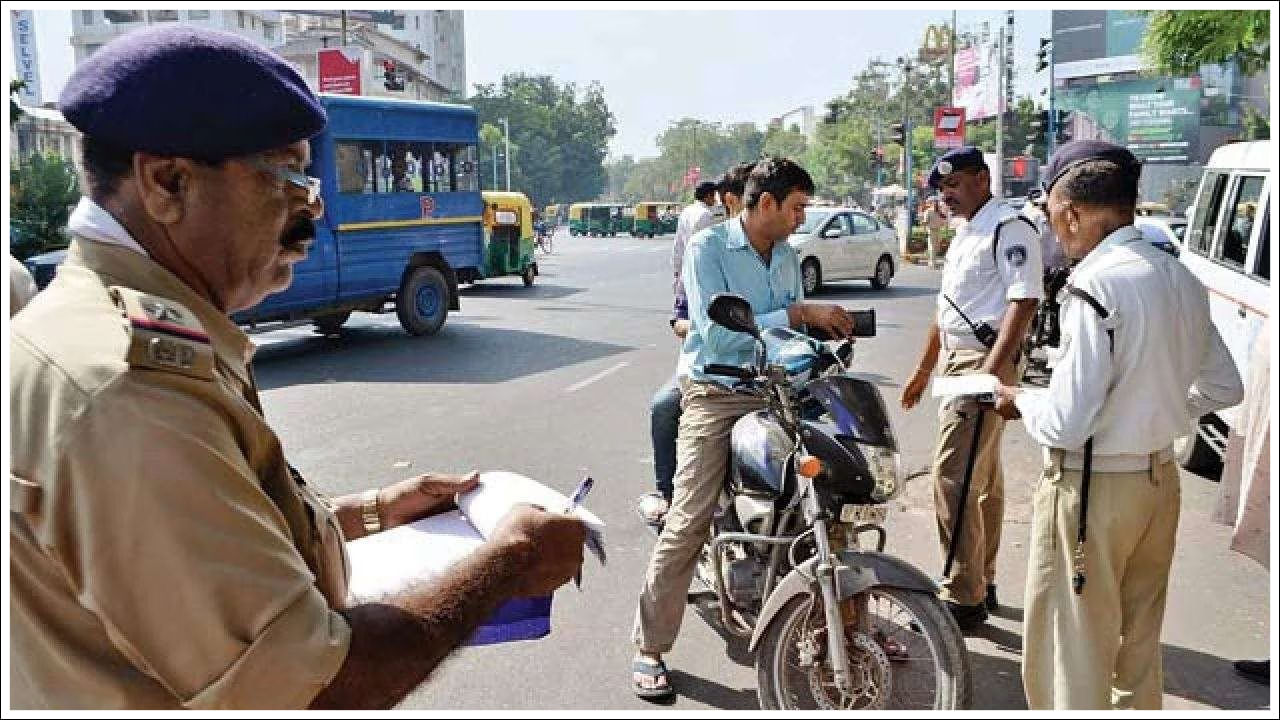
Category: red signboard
<point>948,127</point>
<point>339,70</point>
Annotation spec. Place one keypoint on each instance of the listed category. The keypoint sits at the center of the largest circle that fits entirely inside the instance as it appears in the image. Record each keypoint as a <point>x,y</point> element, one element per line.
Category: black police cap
<point>1076,152</point>
<point>961,158</point>
<point>190,92</point>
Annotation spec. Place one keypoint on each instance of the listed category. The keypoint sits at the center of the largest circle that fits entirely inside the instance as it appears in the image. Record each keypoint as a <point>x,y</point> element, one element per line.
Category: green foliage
<point>1256,125</point>
<point>15,111</point>
<point>1178,42</point>
<point>559,136</point>
<point>686,143</point>
<point>43,189</point>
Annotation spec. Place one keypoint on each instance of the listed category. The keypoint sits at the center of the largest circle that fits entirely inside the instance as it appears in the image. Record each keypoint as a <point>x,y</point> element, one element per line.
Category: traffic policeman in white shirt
<point>1140,359</point>
<point>991,283</point>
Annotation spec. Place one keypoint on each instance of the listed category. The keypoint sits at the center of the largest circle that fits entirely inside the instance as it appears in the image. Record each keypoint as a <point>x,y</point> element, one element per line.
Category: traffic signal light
<point>898,134</point>
<point>1062,123</point>
<point>1039,128</point>
<point>391,80</point>
<point>1042,55</point>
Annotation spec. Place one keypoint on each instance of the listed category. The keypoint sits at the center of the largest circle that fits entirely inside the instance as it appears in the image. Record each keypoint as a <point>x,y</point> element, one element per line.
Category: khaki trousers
<point>702,455</point>
<point>1100,649</point>
<point>975,561</point>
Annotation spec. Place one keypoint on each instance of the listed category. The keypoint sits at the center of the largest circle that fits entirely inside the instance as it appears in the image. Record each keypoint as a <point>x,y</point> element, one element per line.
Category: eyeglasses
<point>289,175</point>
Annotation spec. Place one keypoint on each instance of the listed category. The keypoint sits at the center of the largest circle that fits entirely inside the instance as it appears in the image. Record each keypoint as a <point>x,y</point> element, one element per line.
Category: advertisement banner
<point>26,63</point>
<point>978,80</point>
<point>1095,42</point>
<point>338,70</point>
<point>948,128</point>
<point>1157,119</point>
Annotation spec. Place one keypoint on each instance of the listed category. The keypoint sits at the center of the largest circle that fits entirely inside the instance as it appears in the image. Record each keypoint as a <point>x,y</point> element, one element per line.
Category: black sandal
<point>654,671</point>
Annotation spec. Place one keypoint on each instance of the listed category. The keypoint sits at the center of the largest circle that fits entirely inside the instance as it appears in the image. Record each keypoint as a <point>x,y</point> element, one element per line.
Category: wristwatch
<point>369,512</point>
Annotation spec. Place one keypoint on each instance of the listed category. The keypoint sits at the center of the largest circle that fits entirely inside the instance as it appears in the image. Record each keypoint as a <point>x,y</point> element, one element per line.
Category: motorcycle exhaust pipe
<point>722,595</point>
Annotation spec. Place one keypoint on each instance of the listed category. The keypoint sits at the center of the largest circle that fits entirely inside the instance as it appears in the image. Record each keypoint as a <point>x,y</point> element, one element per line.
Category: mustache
<point>301,230</point>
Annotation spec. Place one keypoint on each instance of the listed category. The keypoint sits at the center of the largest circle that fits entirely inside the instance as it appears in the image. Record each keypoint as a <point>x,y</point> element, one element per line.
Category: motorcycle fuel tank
<point>760,448</point>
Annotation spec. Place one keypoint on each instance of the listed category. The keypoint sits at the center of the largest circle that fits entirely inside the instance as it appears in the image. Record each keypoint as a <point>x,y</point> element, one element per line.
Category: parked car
<point>844,244</point>
<point>1228,247</point>
<point>43,266</point>
<point>1163,231</point>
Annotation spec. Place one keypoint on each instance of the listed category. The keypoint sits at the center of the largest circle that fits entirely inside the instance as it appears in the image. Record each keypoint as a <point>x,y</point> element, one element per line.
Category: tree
<point>43,190</point>
<point>15,110</point>
<point>490,144</point>
<point>1178,42</point>
<point>559,136</point>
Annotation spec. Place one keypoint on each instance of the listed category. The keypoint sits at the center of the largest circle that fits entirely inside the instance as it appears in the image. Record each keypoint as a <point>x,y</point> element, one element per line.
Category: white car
<point>1163,231</point>
<point>843,244</point>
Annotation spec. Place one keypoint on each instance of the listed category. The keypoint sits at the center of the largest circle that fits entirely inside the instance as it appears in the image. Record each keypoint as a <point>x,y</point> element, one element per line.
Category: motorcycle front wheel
<point>911,657</point>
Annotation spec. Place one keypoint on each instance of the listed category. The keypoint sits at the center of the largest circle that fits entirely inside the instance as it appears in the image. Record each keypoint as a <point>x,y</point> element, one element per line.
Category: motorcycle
<point>832,625</point>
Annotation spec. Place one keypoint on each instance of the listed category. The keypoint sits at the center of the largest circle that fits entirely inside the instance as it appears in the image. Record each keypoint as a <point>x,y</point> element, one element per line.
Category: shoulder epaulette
<point>163,335</point>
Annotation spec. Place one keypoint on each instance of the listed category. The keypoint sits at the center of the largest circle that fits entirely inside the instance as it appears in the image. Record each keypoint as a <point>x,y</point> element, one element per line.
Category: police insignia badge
<point>1016,255</point>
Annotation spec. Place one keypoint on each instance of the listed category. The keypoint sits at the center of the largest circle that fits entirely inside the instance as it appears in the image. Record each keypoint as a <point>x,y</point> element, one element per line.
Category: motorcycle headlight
<point>885,466</point>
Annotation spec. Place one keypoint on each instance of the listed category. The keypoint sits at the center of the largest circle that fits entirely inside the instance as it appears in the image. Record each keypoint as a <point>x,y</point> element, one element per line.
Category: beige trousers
<point>1100,649</point>
<point>702,455</point>
<point>975,561</point>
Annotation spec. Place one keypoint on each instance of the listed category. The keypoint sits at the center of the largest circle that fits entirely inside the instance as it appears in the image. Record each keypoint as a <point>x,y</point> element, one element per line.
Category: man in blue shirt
<point>748,255</point>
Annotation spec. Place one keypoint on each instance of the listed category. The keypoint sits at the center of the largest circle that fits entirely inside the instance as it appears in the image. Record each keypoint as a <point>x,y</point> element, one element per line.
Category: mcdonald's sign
<point>937,43</point>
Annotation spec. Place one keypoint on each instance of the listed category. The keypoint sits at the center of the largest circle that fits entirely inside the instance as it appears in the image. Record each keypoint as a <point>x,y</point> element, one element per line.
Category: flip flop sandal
<point>654,671</point>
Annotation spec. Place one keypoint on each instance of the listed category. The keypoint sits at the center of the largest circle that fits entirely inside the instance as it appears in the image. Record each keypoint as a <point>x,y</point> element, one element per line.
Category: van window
<point>1238,230</point>
<point>863,224</point>
<point>1206,216</point>
<point>357,161</point>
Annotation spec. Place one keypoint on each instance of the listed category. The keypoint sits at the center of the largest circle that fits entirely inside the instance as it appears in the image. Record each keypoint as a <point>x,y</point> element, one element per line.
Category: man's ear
<point>163,185</point>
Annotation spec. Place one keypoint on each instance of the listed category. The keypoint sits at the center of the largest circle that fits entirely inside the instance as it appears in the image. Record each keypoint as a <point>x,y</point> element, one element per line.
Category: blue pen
<point>579,494</point>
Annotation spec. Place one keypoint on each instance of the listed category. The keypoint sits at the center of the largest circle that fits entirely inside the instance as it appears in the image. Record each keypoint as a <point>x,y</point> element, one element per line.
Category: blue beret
<point>960,158</point>
<point>190,92</point>
<point>1073,153</point>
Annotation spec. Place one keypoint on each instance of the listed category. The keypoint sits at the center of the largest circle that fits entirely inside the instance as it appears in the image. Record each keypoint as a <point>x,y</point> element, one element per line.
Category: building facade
<point>91,29</point>
<point>43,130</point>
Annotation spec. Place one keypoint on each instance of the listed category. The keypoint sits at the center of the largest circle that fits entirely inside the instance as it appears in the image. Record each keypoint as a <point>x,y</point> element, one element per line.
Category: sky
<point>658,66</point>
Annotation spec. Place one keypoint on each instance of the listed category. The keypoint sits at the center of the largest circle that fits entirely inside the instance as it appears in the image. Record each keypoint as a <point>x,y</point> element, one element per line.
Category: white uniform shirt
<point>1169,364</point>
<point>91,221</point>
<point>693,219</point>
<point>982,282</point>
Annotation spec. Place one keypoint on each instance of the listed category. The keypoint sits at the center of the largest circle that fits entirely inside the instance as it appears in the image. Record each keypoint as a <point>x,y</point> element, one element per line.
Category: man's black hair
<point>704,189</point>
<point>777,176</point>
<point>103,166</point>
<point>734,179</point>
<point>1102,183</point>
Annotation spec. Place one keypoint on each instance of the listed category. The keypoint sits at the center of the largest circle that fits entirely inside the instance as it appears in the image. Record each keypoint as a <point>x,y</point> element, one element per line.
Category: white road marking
<point>598,376</point>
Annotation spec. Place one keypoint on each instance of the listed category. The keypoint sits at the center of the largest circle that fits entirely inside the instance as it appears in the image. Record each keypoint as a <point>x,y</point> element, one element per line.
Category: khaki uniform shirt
<point>163,553</point>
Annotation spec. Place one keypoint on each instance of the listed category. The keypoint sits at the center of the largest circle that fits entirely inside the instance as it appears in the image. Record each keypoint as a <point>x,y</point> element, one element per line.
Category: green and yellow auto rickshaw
<point>578,218</point>
<point>600,219</point>
<point>647,219</point>
<point>670,217</point>
<point>508,236</point>
<point>551,216</point>
<point>624,220</point>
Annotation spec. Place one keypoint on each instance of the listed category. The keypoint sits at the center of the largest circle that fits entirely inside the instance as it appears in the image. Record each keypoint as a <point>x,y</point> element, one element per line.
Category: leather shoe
<point>968,617</point>
<point>993,604</point>
<point>1258,671</point>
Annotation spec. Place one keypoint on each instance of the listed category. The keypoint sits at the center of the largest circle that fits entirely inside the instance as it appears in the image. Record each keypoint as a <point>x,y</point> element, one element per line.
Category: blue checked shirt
<point>719,259</point>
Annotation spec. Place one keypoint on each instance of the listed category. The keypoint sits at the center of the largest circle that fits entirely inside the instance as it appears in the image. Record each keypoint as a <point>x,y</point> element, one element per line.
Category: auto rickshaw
<point>600,219</point>
<point>624,219</point>
<point>551,216</point>
<point>508,236</point>
<point>578,218</point>
<point>669,218</point>
<point>647,219</point>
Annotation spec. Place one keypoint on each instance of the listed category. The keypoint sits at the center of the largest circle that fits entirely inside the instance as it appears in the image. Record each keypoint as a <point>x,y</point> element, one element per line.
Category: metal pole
<point>1051,127</point>
<point>951,75</point>
<point>908,181</point>
<point>998,170</point>
<point>506,133</point>
<point>343,18</point>
<point>495,167</point>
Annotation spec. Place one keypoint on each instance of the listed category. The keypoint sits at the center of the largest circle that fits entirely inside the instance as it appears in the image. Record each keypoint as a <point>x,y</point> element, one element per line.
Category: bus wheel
<point>423,301</point>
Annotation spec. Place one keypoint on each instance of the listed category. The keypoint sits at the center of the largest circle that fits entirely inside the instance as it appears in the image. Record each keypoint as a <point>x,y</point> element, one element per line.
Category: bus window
<point>1206,219</point>
<point>467,178</point>
<point>1234,248</point>
<point>404,176</point>
<point>1263,263</point>
<point>355,161</point>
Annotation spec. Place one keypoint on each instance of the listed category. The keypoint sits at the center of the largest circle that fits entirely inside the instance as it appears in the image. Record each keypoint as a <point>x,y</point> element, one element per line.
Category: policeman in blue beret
<point>1141,362</point>
<point>991,283</point>
<point>164,554</point>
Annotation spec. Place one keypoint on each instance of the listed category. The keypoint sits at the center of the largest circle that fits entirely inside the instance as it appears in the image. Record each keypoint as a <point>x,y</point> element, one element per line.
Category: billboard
<point>338,70</point>
<point>25,61</point>
<point>978,80</point>
<point>948,128</point>
<point>1158,119</point>
<point>1096,42</point>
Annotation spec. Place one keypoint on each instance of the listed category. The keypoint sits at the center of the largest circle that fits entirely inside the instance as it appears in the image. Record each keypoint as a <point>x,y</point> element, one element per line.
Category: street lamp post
<point>506,134</point>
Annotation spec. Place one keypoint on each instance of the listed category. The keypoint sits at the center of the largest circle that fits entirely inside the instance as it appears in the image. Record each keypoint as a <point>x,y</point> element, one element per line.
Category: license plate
<point>864,514</point>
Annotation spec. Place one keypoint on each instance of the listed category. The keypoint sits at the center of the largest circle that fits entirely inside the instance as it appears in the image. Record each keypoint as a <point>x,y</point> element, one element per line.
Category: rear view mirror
<point>733,312</point>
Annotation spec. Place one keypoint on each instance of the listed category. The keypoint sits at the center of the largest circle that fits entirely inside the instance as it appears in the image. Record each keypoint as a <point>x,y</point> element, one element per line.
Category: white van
<point>1228,246</point>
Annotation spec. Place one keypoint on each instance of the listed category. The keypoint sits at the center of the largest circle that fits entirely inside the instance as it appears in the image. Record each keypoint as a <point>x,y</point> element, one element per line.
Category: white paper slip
<point>498,492</point>
<point>978,384</point>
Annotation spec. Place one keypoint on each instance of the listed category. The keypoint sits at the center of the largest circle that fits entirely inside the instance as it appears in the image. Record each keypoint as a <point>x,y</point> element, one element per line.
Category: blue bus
<point>402,222</point>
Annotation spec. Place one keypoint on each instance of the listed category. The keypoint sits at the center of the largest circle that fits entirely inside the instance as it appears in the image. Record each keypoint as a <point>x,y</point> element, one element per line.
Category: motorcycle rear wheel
<point>924,637</point>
